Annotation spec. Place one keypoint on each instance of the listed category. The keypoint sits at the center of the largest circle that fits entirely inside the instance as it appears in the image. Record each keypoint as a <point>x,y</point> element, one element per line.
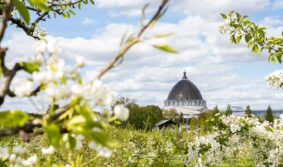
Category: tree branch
<point>134,41</point>
<point>5,16</point>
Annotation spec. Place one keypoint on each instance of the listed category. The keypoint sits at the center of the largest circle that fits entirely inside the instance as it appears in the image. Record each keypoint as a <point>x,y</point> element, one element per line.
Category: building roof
<point>184,90</point>
<point>163,122</point>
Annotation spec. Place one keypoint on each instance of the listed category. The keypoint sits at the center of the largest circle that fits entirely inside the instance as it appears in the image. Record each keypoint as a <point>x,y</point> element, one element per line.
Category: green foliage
<point>41,4</point>
<point>23,11</point>
<point>215,109</point>
<point>144,117</point>
<point>165,48</point>
<point>228,110</point>
<point>29,67</point>
<point>269,116</point>
<point>13,118</point>
<point>136,148</point>
<point>205,121</point>
<point>254,36</point>
<point>53,134</point>
<point>248,111</point>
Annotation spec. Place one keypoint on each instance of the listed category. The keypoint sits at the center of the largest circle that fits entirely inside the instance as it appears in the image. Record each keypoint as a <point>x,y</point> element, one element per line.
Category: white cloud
<point>208,8</point>
<point>278,4</point>
<point>88,21</point>
<point>274,25</point>
<point>147,74</point>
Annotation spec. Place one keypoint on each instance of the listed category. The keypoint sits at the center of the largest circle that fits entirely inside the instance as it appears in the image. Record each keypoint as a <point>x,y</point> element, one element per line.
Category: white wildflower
<point>12,157</point>
<point>101,151</point>
<point>121,112</point>
<point>4,154</point>
<point>234,128</point>
<point>30,161</point>
<point>79,143</point>
<point>18,150</point>
<point>48,151</point>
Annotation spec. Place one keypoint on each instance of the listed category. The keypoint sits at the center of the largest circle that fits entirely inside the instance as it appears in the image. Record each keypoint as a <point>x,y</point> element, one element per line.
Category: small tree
<point>215,109</point>
<point>228,110</point>
<point>248,111</point>
<point>268,115</point>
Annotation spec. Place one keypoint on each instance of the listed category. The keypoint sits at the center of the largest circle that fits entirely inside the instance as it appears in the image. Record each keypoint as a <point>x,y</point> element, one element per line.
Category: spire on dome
<point>185,75</point>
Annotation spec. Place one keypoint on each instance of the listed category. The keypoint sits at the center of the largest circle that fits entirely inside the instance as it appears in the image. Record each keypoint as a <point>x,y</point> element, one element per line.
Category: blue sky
<point>225,73</point>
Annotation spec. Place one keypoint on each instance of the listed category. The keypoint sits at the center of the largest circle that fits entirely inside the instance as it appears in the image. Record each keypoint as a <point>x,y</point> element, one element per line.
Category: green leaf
<point>164,35</point>
<point>231,12</point>
<point>92,2</point>
<point>72,12</point>
<point>250,44</point>
<point>71,141</point>
<point>22,10</point>
<point>86,111</point>
<point>223,15</point>
<point>165,48</point>
<point>41,4</point>
<point>233,39</point>
<point>255,49</point>
<point>100,138</point>
<point>247,38</point>
<point>53,134</point>
<point>238,39</point>
<point>13,118</point>
<point>29,67</point>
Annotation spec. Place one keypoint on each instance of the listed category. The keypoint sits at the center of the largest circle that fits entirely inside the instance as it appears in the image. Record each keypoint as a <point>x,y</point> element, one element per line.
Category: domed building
<point>185,98</point>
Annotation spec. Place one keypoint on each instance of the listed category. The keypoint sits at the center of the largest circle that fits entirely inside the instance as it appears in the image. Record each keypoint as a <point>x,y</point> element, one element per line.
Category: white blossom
<point>39,47</point>
<point>79,90</point>
<point>275,79</point>
<point>235,127</point>
<point>18,150</point>
<point>30,161</point>
<point>101,151</point>
<point>79,143</point>
<point>48,151</point>
<point>103,95</point>
<point>12,158</point>
<point>57,91</point>
<point>80,61</point>
<point>121,112</point>
<point>4,154</point>
<point>23,87</point>
<point>53,47</point>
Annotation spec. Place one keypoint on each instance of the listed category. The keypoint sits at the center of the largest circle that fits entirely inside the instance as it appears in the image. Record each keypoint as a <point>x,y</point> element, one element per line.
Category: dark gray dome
<point>184,90</point>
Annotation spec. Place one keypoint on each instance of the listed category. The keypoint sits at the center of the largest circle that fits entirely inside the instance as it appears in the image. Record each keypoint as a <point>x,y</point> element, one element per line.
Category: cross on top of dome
<point>185,75</point>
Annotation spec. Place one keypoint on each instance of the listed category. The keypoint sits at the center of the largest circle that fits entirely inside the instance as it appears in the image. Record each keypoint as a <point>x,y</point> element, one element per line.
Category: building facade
<point>185,98</point>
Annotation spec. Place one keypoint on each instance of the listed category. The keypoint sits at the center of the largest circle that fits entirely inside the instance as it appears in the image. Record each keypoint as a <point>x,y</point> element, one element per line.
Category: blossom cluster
<point>17,157</point>
<point>235,134</point>
<point>275,79</point>
<point>53,78</point>
<point>59,81</point>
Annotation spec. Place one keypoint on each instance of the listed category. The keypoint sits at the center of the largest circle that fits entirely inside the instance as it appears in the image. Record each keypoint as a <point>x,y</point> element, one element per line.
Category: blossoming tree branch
<point>239,27</point>
<point>52,78</point>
